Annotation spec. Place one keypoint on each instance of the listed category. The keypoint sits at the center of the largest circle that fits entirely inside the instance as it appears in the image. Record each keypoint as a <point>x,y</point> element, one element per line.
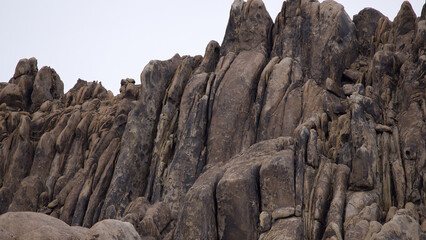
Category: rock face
<point>312,127</point>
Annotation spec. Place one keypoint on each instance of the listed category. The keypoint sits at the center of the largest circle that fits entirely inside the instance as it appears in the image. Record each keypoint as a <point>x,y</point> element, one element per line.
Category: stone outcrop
<point>309,127</point>
<point>31,225</point>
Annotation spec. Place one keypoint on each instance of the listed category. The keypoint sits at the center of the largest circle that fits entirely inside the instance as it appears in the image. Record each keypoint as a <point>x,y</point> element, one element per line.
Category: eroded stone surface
<point>309,128</point>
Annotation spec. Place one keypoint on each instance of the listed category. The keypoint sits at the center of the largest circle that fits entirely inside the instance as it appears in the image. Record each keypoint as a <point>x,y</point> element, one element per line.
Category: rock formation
<point>309,127</point>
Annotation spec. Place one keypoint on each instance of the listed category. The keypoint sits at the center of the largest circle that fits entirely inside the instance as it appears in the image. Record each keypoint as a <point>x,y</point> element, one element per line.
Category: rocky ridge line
<point>309,127</point>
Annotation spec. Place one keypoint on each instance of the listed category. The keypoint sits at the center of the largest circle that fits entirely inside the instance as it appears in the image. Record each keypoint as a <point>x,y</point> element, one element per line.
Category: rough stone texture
<point>30,225</point>
<point>334,226</point>
<point>283,212</point>
<point>264,221</point>
<point>366,22</point>
<point>132,167</point>
<point>47,86</point>
<point>238,187</point>
<point>312,127</point>
<point>277,182</point>
<point>290,228</point>
<point>313,32</point>
<point>281,96</point>
<point>230,112</point>
<point>401,226</point>
<point>197,219</point>
<point>112,229</point>
<point>249,28</point>
<point>12,96</point>
<point>25,73</point>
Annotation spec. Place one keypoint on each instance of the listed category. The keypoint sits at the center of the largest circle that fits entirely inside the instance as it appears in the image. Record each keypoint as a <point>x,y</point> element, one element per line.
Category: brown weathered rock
<point>391,213</point>
<point>333,87</point>
<point>248,28</point>
<point>112,229</point>
<point>352,76</point>
<point>233,100</point>
<point>337,205</point>
<point>289,228</point>
<point>365,155</point>
<point>325,35</point>
<point>176,185</point>
<point>265,221</point>
<point>25,67</point>
<point>136,211</point>
<point>132,166</point>
<point>197,219</point>
<point>12,96</point>
<point>6,235</point>
<point>312,127</point>
<point>277,182</point>
<point>357,201</point>
<point>128,89</point>
<point>238,202</point>
<point>155,220</point>
<point>16,159</point>
<point>402,226</point>
<point>25,73</point>
<point>183,127</point>
<point>354,229</point>
<point>283,212</point>
<point>47,86</point>
<point>30,225</point>
<point>405,20</point>
<point>27,198</point>
<point>366,22</point>
<point>211,57</point>
<point>85,91</point>
<point>279,115</point>
<point>312,153</point>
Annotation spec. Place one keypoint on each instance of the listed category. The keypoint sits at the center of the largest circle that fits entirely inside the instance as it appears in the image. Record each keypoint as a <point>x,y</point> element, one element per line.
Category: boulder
<point>283,212</point>
<point>25,73</point>
<point>314,32</point>
<point>12,96</point>
<point>155,220</point>
<point>128,89</point>
<point>288,228</point>
<point>265,221</point>
<point>401,226</point>
<point>248,28</point>
<point>31,225</point>
<point>25,67</point>
<point>366,22</point>
<point>112,229</point>
<point>47,86</point>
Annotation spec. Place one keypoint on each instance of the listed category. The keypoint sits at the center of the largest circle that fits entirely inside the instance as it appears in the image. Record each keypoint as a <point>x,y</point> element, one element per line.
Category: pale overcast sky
<point>108,40</point>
